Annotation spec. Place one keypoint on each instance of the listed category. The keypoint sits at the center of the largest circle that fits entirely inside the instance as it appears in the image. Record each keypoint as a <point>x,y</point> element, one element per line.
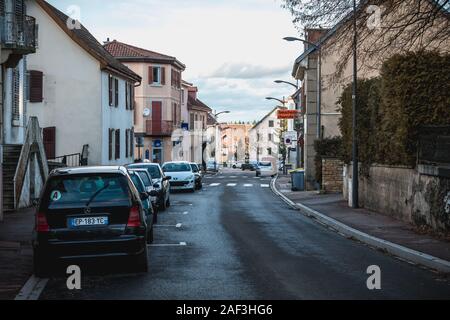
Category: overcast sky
<point>233,49</point>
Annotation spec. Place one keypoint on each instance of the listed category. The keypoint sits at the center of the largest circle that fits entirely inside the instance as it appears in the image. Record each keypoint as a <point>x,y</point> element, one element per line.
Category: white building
<point>82,96</point>
<point>265,137</point>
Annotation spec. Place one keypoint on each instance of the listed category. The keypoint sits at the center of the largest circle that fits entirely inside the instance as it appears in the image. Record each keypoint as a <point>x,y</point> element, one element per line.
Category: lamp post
<point>299,130</point>
<point>355,173</point>
<point>319,79</point>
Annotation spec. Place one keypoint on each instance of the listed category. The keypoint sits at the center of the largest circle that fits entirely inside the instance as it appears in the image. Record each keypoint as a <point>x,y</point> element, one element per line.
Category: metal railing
<point>18,32</point>
<point>160,128</point>
<point>70,160</point>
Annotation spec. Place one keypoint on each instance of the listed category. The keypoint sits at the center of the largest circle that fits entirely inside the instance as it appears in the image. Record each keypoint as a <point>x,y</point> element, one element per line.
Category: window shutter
<point>36,86</point>
<point>163,75</point>
<point>117,141</point>
<point>132,143</point>
<point>116,90</point>
<point>127,142</point>
<point>127,98</point>
<point>132,96</point>
<point>110,142</point>
<point>150,75</point>
<point>110,89</point>
<point>16,95</point>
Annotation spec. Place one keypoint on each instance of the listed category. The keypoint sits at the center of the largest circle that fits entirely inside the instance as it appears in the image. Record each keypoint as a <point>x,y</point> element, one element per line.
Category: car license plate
<point>89,221</point>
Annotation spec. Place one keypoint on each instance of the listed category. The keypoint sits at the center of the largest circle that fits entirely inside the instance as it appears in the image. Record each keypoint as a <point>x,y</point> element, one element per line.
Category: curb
<point>390,247</point>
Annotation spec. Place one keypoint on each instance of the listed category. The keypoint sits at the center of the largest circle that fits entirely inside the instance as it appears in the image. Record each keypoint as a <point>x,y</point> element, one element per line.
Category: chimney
<point>107,41</point>
<point>192,92</point>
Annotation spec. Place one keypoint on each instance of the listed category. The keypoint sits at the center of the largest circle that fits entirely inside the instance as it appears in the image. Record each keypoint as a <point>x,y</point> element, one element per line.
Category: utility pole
<point>355,182</point>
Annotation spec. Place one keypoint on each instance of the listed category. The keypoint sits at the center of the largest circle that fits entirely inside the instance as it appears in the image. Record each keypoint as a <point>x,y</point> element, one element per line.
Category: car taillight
<point>134,220</point>
<point>41,223</point>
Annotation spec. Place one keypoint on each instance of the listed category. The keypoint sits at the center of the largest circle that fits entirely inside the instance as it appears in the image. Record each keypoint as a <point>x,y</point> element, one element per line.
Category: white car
<point>181,175</point>
<point>265,168</point>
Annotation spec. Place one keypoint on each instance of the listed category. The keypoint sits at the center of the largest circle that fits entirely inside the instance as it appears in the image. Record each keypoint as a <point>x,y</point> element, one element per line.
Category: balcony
<point>159,128</point>
<point>18,33</point>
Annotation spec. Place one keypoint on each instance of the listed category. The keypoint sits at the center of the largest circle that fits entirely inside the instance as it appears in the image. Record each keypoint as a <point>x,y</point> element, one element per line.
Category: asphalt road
<point>236,240</point>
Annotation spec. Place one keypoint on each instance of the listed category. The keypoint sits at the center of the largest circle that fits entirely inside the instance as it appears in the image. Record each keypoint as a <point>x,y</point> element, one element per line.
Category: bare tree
<point>404,25</point>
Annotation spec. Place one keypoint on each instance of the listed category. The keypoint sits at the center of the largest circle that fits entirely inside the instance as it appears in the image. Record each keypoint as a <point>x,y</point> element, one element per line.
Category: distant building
<point>158,98</point>
<point>265,137</point>
<point>235,143</point>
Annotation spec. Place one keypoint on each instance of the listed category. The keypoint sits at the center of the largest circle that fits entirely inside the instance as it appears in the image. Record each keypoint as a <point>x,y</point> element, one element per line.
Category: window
<point>116,92</point>
<point>110,90</point>
<point>131,142</point>
<point>257,137</point>
<point>127,142</point>
<point>15,95</point>
<point>271,124</point>
<point>117,144</point>
<point>127,96</point>
<point>270,137</point>
<point>269,151</point>
<point>157,75</point>
<point>110,143</point>
<point>36,86</point>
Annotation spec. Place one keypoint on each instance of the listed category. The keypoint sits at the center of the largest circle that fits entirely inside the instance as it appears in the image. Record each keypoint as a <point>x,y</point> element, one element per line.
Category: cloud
<point>248,71</point>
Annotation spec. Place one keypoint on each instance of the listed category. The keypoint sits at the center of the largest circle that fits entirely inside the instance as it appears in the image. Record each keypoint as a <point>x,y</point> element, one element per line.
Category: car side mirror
<point>153,193</point>
<point>144,196</point>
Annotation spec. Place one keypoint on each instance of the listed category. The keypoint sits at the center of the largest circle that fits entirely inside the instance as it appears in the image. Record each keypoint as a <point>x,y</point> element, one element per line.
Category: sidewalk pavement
<point>372,223</point>
<point>15,252</point>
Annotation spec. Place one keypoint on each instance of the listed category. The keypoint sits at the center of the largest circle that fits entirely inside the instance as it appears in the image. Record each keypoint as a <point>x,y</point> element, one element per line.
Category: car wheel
<point>141,261</point>
<point>40,265</point>
<point>150,236</point>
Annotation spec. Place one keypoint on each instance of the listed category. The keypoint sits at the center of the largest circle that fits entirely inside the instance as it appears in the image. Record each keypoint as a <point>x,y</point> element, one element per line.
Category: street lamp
<point>279,100</point>
<point>299,131</point>
<point>319,79</point>
<point>355,182</point>
<point>218,114</point>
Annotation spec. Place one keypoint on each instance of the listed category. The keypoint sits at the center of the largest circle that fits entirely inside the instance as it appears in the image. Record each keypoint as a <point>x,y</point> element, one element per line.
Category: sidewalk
<point>369,222</point>
<point>15,252</point>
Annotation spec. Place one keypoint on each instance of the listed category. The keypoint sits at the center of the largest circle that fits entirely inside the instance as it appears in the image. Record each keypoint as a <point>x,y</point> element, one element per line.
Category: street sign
<point>287,114</point>
<point>290,137</point>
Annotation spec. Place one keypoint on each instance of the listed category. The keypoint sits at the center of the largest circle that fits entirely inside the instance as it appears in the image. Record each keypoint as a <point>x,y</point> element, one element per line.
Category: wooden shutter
<point>117,142</point>
<point>132,96</point>
<point>150,75</point>
<point>15,95</point>
<point>127,142</point>
<point>110,89</point>
<point>36,86</point>
<point>163,75</point>
<point>110,144</point>
<point>49,139</point>
<point>132,142</point>
<point>116,92</point>
<point>127,98</point>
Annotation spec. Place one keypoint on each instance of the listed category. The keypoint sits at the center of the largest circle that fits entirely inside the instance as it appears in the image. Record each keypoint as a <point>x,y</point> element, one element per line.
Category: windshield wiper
<point>97,193</point>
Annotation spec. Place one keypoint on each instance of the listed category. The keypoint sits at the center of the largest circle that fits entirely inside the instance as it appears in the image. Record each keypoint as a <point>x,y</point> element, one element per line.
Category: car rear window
<point>177,167</point>
<point>265,164</point>
<point>144,178</point>
<point>153,170</point>
<point>137,182</point>
<point>80,189</point>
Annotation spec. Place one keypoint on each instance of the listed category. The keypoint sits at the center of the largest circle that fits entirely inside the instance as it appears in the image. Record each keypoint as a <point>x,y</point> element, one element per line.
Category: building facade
<point>265,137</point>
<point>82,96</point>
<point>235,143</point>
<point>158,99</point>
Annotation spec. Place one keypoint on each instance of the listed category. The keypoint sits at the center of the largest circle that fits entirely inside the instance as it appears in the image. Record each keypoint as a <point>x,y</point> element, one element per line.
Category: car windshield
<point>80,189</point>
<point>144,177</point>
<point>177,167</point>
<point>137,182</point>
<point>265,164</point>
<point>153,170</point>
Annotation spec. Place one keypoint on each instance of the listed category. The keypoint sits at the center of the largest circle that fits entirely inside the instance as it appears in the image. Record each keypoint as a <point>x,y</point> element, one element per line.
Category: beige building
<point>158,98</point>
<point>235,145</point>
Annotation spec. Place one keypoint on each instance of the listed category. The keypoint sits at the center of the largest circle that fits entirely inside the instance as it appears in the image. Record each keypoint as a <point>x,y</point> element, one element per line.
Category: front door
<point>156,117</point>
<point>49,137</point>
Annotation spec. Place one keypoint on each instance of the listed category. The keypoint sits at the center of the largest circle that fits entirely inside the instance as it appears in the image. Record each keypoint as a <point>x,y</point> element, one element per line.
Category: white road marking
<point>32,289</point>
<point>248,185</point>
<point>233,177</point>
<point>265,186</point>
<point>178,225</point>
<point>185,212</point>
<point>214,184</point>
<point>257,177</point>
<point>181,244</point>
<point>231,185</point>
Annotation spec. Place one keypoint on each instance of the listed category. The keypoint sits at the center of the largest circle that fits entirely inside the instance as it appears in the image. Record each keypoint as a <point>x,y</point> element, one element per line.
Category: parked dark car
<point>138,176</point>
<point>90,212</point>
<point>198,175</point>
<point>160,182</point>
<point>249,166</point>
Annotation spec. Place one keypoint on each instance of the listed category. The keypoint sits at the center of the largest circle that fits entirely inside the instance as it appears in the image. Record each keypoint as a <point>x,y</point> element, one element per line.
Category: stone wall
<point>411,195</point>
<point>332,175</point>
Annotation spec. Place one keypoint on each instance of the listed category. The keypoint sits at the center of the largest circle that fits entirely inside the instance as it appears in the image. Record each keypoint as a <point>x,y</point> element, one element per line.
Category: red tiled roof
<point>126,52</point>
<point>88,42</point>
<point>198,104</point>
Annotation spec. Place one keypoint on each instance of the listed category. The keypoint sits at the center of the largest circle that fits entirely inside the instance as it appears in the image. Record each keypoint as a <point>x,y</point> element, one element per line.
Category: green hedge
<point>413,90</point>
